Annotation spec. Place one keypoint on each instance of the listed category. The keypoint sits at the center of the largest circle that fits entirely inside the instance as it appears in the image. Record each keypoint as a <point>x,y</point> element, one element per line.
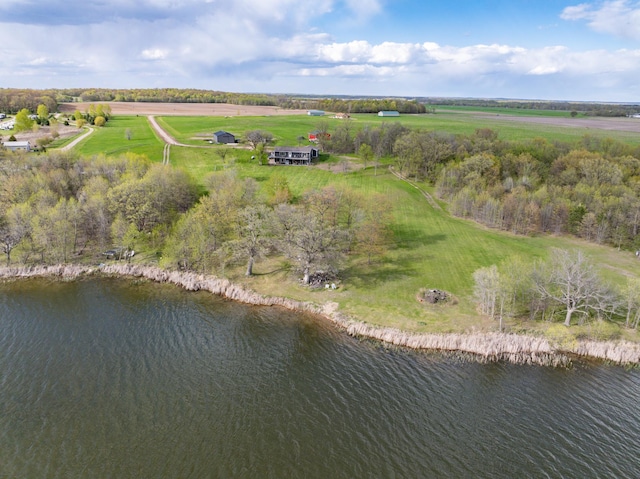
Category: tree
<point>257,137</point>
<point>631,297</point>
<point>80,122</point>
<point>571,280</point>
<point>254,228</point>
<point>99,121</point>
<point>366,153</point>
<point>10,236</point>
<point>22,121</point>
<point>43,112</point>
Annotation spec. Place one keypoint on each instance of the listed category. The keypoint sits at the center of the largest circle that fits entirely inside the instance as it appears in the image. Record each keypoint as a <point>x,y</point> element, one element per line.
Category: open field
<point>288,129</point>
<point>111,139</point>
<point>181,109</point>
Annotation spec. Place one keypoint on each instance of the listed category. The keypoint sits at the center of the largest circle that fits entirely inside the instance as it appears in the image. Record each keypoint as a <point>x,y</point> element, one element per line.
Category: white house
<point>17,145</point>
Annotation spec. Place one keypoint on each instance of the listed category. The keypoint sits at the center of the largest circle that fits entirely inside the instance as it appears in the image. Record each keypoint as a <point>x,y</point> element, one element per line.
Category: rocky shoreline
<point>485,347</point>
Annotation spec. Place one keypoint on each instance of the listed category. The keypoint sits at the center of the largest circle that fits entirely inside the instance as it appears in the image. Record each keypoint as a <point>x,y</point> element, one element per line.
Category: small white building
<point>315,113</point>
<point>388,113</point>
<point>17,145</point>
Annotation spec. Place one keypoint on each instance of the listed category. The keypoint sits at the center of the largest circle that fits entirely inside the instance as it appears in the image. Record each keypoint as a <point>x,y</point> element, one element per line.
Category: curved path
<point>163,134</point>
<point>428,197</point>
<point>77,140</point>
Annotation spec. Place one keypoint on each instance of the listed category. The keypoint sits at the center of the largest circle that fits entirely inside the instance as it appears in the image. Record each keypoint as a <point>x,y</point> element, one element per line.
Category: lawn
<point>111,139</point>
<point>431,249</point>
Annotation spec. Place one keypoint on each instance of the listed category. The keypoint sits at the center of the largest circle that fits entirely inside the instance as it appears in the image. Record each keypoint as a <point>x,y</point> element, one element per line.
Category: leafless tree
<point>571,280</point>
<point>257,137</point>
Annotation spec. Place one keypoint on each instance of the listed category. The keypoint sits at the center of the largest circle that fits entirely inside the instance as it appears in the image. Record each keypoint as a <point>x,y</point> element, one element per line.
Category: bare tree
<point>257,137</point>
<point>571,280</point>
<point>254,228</point>
<point>310,234</point>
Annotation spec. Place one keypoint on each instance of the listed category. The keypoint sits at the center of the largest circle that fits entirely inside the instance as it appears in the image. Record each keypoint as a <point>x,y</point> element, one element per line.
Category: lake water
<point>111,378</point>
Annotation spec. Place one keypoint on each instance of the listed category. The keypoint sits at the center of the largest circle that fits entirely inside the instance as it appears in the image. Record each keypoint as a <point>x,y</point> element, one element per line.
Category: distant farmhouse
<point>342,116</point>
<point>315,113</point>
<point>223,137</point>
<point>388,113</point>
<point>291,155</point>
<point>315,135</point>
<point>17,145</point>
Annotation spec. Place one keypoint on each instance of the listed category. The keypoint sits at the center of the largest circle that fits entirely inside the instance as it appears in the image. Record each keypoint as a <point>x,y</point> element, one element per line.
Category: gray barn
<point>223,137</point>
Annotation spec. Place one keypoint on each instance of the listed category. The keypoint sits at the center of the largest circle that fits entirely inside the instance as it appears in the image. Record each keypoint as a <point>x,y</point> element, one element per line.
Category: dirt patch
<point>182,109</point>
<point>345,165</point>
<point>609,124</point>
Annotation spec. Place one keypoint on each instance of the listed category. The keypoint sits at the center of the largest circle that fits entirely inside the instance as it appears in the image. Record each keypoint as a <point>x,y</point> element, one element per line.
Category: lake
<point>122,378</point>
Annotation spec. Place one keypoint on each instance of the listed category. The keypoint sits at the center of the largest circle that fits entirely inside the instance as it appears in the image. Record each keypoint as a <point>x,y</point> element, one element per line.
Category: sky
<point>521,49</point>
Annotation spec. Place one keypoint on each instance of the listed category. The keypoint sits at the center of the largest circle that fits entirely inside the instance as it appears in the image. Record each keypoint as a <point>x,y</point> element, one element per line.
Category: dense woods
<point>590,189</point>
<point>56,208</point>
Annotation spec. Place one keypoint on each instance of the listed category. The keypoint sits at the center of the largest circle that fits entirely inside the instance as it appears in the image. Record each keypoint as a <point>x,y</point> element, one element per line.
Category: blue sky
<point>554,50</point>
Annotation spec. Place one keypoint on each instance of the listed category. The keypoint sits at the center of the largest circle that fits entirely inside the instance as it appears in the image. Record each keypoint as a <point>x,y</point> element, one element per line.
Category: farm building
<point>388,113</point>
<point>315,113</point>
<point>315,135</point>
<point>223,137</point>
<point>17,145</point>
<point>292,155</point>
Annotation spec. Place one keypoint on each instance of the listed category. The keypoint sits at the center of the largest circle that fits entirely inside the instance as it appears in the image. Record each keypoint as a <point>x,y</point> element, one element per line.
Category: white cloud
<point>614,17</point>
<point>154,54</point>
<point>272,45</point>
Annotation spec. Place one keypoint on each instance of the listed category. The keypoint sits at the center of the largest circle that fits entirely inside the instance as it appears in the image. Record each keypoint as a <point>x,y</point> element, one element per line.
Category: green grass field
<point>288,129</point>
<point>110,139</point>
<point>431,249</point>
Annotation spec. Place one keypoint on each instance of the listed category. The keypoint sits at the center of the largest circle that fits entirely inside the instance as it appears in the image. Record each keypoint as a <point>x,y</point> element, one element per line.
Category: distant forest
<point>13,100</point>
<point>588,108</point>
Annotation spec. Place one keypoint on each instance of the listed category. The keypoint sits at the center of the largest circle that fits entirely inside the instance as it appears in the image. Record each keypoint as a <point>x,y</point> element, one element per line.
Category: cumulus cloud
<point>272,45</point>
<point>615,17</point>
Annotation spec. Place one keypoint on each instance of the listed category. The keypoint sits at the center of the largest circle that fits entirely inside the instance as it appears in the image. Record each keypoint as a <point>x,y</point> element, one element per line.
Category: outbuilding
<point>17,145</point>
<point>388,113</point>
<point>315,113</point>
<point>223,137</point>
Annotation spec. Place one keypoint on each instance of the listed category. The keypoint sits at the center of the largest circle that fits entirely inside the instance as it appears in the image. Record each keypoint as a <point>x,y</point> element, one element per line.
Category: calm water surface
<point>108,378</point>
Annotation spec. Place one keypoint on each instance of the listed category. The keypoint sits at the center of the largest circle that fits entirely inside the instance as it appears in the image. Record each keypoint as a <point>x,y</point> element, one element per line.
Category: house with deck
<point>293,155</point>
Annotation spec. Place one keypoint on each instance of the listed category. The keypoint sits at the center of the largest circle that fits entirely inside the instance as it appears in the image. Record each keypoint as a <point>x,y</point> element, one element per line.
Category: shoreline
<point>484,347</point>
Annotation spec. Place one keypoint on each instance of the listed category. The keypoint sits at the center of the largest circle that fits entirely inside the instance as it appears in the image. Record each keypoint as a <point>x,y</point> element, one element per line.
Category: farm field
<point>288,129</point>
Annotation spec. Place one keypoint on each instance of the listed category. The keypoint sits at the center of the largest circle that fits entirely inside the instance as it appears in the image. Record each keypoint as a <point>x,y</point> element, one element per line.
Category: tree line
<point>56,208</point>
<point>587,108</point>
<point>588,189</point>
